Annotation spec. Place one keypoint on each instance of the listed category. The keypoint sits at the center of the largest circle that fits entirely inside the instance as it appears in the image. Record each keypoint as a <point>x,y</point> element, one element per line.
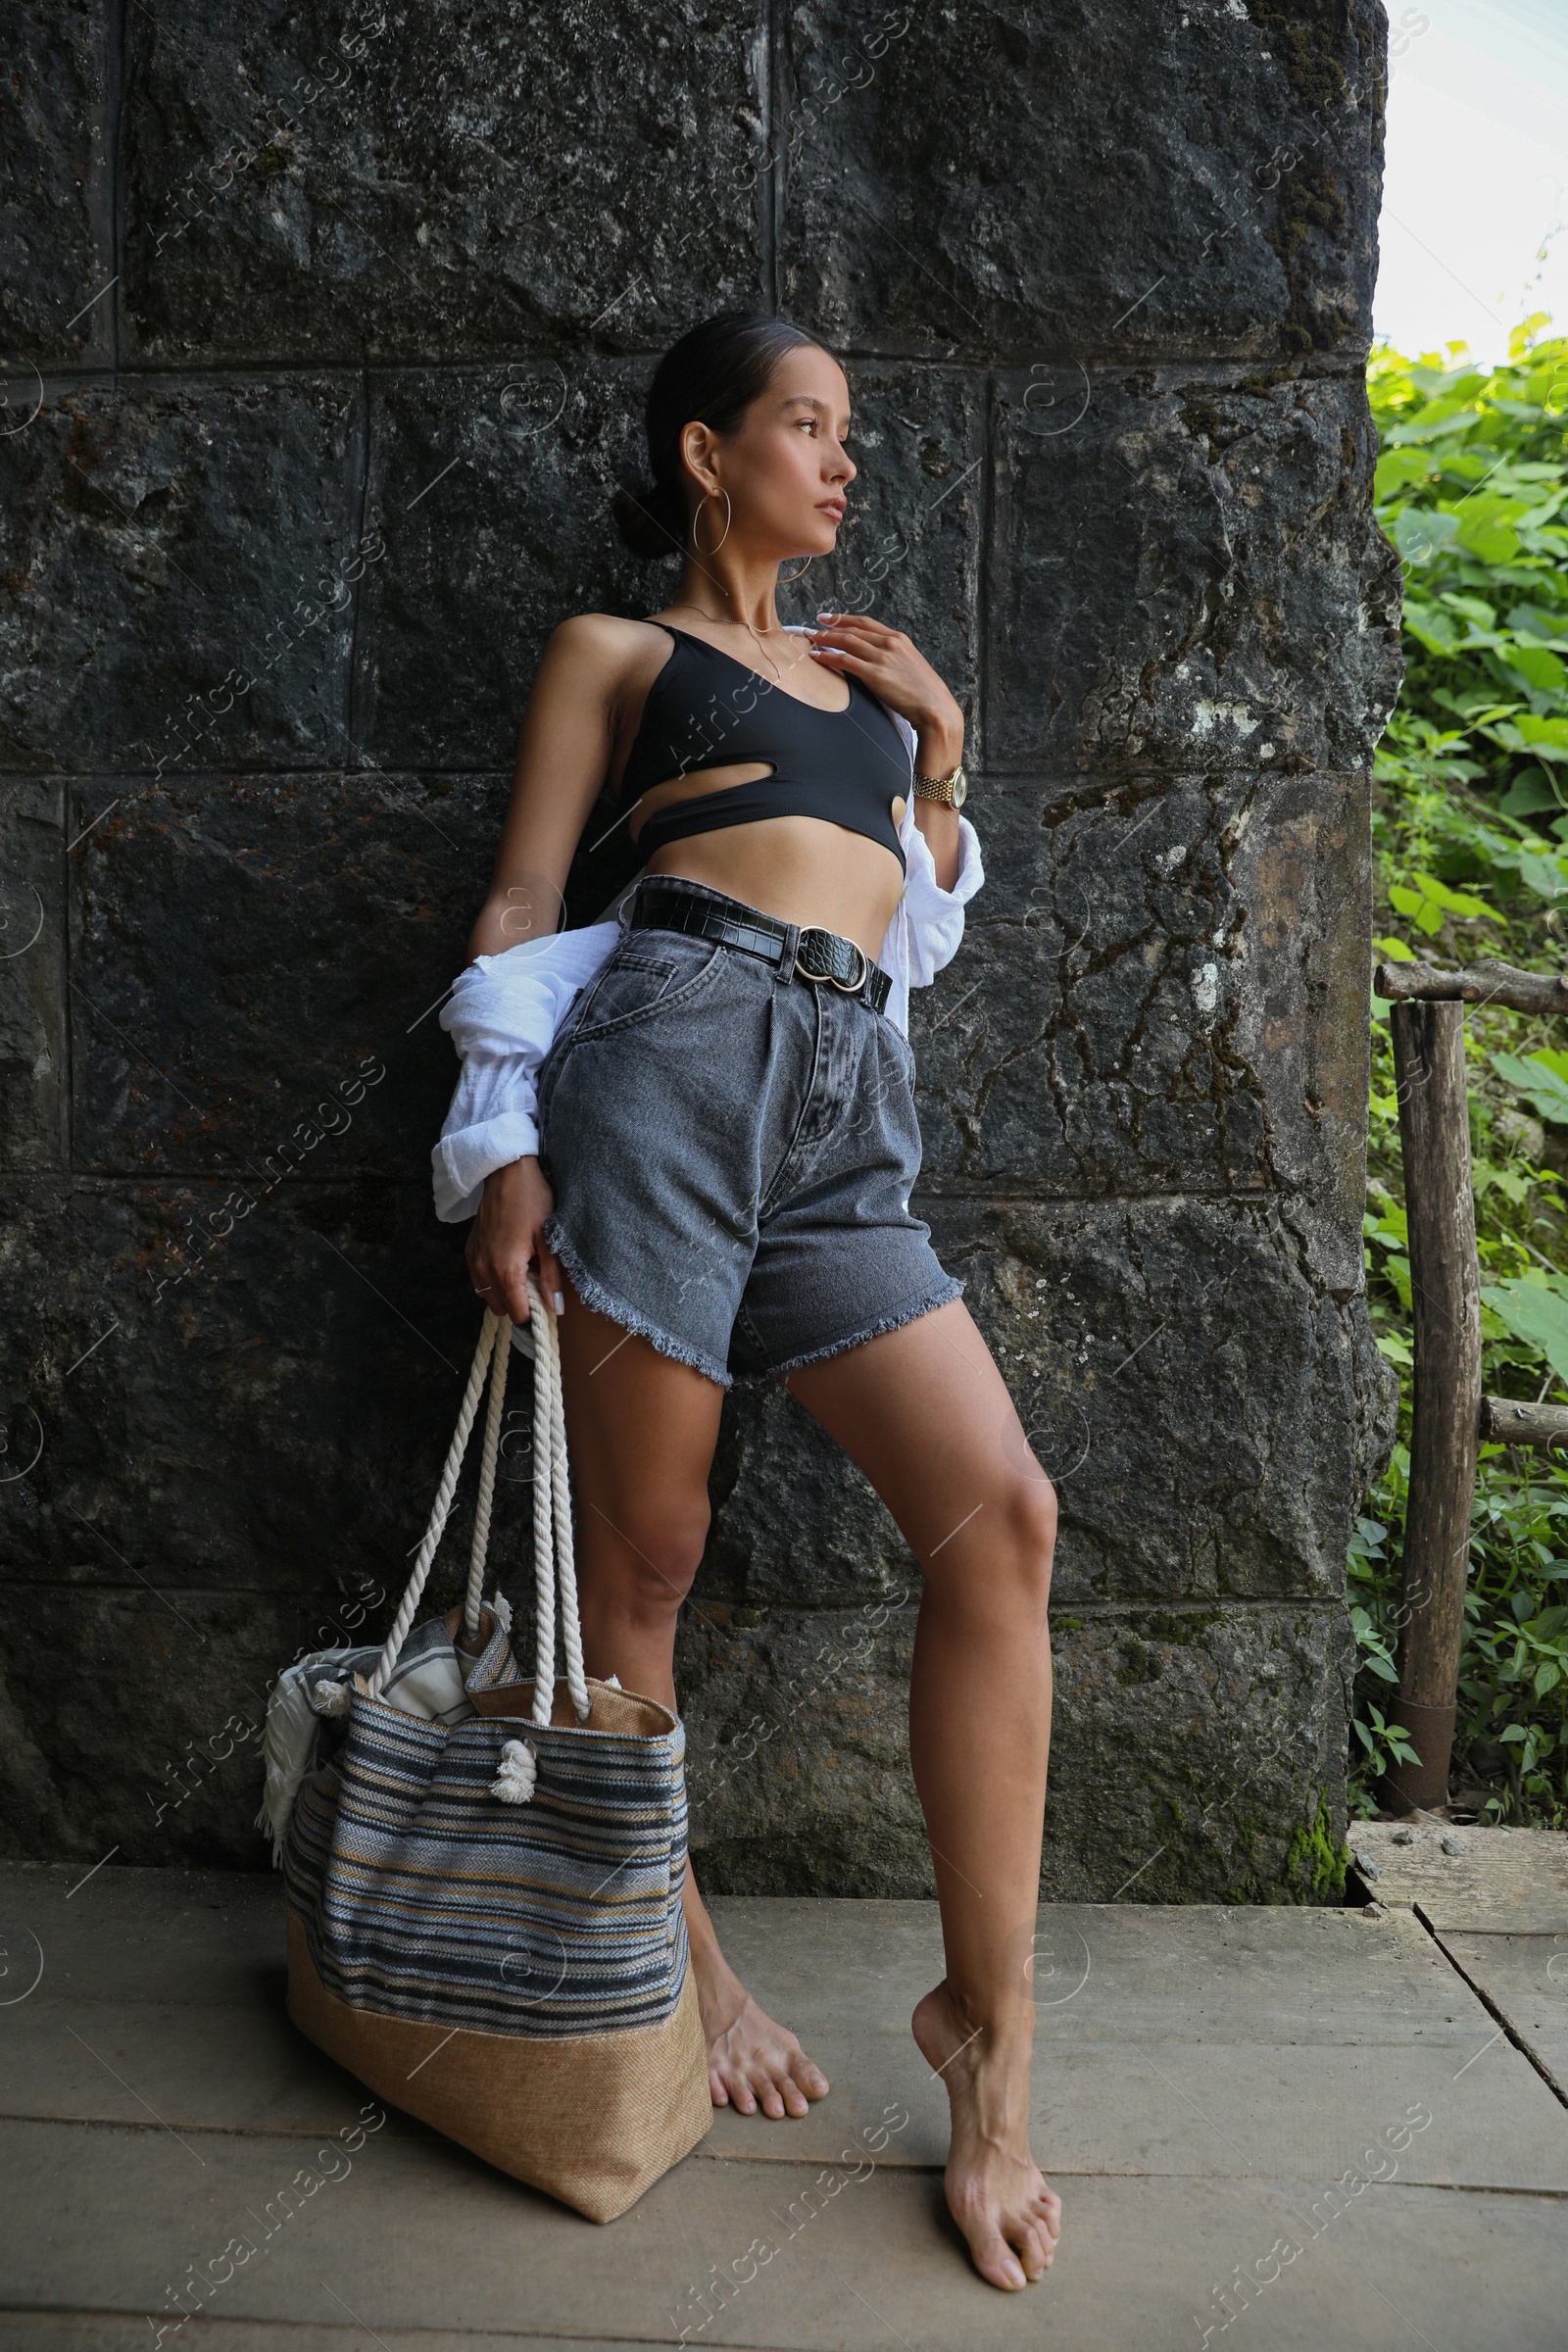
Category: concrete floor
<point>1204,2078</point>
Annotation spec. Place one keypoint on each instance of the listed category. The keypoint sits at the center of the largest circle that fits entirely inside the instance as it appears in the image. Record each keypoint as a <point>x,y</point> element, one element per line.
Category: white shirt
<point>505,1010</point>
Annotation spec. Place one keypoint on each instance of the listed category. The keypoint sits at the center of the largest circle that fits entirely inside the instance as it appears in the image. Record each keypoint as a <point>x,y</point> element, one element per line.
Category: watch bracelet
<point>939,788</point>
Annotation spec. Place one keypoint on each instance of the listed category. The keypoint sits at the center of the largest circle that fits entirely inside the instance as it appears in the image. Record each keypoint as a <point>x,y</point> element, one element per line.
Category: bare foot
<point>995,2191</point>
<point>751,2061</point>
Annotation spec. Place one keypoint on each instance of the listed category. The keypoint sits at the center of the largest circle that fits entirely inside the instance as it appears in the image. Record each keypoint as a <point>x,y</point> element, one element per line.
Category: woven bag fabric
<point>484,1915</point>
<point>424,1896</point>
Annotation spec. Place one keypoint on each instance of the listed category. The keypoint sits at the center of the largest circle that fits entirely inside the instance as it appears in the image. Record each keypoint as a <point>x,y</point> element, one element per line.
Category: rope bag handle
<point>552,1555</point>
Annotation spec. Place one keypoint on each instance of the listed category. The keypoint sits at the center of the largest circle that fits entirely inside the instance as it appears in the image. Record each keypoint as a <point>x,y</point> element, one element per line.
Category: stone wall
<point>325,332</point>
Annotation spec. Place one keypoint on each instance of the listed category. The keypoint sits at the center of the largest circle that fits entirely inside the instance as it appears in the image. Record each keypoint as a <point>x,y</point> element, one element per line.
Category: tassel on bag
<point>482,1884</point>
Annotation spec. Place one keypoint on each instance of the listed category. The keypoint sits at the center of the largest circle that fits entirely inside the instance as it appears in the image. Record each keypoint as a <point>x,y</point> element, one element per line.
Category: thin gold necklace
<point>684,604</point>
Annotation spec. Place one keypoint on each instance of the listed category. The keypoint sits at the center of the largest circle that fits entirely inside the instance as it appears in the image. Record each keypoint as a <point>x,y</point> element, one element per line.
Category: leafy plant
<point>1470,828</point>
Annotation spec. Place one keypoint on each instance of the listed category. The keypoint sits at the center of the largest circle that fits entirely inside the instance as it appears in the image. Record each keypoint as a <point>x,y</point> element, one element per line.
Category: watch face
<point>961,790</point>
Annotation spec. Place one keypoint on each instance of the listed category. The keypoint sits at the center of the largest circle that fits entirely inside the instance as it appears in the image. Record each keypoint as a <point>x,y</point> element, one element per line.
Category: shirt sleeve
<point>927,926</point>
<point>502,1016</point>
<point>934,916</point>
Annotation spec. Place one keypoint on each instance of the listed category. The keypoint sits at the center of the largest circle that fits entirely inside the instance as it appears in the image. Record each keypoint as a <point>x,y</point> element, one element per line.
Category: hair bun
<point>647,521</point>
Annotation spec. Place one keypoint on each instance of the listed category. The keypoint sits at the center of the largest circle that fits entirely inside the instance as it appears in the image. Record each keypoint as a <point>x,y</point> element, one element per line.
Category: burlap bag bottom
<point>593,2119</point>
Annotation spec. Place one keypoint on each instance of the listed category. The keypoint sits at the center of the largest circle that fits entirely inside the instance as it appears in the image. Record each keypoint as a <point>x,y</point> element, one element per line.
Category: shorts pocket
<point>652,972</point>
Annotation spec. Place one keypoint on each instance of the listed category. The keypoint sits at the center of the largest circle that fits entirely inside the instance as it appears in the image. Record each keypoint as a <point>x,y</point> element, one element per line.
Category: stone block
<point>202,1397</point>
<point>1080,1044</point>
<point>1204,1408</point>
<point>257,966</point>
<point>1081,181</point>
<point>1191,1754</point>
<point>1161,989</point>
<point>57,306</point>
<point>1199,1757</point>
<point>1303,872</point>
<point>135,1719</point>
<point>32,976</point>
<point>491,488</point>
<point>182,560</point>
<point>438,182</point>
<point>1186,570</point>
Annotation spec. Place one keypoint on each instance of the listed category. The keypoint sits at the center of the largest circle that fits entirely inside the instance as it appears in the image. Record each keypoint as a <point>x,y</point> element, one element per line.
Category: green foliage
<point>1542,1078</point>
<point>1470,827</point>
<point>1535,1309</point>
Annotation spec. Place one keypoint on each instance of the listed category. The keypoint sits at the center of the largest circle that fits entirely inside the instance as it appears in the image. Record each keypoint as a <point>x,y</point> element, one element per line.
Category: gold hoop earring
<point>723,534</point>
<point>787,579</point>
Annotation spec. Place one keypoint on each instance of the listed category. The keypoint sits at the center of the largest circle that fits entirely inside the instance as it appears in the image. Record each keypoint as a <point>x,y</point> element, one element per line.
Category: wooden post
<point>1446,1283</point>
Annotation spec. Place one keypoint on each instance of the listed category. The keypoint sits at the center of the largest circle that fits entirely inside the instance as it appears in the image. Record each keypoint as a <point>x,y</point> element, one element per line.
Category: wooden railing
<point>1451,1415</point>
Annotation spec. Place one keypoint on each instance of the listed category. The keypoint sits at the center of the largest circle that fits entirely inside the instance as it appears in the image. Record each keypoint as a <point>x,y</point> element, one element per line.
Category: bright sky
<point>1474,234</point>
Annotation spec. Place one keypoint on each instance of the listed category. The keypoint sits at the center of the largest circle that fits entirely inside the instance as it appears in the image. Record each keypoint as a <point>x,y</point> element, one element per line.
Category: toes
<point>995,2260</point>
<point>764,2076</point>
<point>1034,2250</point>
<point>802,2074</point>
<point>783,2097</point>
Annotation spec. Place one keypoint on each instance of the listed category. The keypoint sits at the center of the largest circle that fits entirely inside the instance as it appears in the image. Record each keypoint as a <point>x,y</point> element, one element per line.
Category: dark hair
<point>711,376</point>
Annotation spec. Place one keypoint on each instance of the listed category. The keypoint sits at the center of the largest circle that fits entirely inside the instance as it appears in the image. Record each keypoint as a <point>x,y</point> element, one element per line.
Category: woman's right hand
<point>505,1239</point>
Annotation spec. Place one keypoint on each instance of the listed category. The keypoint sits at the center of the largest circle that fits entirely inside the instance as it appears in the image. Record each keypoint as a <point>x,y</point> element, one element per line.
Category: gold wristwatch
<point>952,791</point>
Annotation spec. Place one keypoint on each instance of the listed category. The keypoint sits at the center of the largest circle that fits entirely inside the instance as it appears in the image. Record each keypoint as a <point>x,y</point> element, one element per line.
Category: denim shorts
<point>731,1153</point>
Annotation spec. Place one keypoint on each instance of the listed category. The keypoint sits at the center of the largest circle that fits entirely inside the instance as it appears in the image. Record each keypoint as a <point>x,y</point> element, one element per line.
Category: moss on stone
<point>1204,423</point>
<point>1315,1866</point>
<point>1305,49</point>
<point>1138,1663</point>
<point>1311,198</point>
<point>1165,1626</point>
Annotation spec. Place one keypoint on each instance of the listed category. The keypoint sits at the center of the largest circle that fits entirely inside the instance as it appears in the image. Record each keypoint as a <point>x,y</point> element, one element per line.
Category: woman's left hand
<point>895,669</point>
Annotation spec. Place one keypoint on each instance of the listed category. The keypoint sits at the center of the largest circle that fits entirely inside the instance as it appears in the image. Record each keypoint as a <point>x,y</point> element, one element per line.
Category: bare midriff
<point>801,870</point>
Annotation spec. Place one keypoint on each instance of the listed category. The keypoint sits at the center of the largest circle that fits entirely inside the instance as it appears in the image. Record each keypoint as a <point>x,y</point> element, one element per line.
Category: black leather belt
<point>819,956</point>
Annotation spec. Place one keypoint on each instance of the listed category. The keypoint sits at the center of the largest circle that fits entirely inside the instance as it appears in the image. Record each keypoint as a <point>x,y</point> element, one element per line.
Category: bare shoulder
<point>605,647</point>
<point>604,663</point>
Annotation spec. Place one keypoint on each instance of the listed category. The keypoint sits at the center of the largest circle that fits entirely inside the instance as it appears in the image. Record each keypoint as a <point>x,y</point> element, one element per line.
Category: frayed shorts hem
<point>950,1289</point>
<point>593,1292</point>
<point>609,1303</point>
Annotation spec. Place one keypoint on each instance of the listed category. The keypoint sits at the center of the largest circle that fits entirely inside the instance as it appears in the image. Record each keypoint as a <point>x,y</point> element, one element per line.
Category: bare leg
<point>641,1431</point>
<point>926,1414</point>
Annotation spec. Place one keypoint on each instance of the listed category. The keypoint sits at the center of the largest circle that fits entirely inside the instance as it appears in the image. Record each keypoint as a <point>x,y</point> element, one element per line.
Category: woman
<point>697,1121</point>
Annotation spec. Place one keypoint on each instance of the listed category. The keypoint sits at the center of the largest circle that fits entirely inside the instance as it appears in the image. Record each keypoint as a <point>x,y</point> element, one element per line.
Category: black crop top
<point>704,708</point>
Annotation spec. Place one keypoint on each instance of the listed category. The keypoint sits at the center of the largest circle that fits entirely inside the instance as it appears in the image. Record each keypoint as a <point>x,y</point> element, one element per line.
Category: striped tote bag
<point>484,1909</point>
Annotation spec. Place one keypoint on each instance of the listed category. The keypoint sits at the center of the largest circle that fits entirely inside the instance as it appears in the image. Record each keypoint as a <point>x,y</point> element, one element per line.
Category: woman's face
<point>785,466</point>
